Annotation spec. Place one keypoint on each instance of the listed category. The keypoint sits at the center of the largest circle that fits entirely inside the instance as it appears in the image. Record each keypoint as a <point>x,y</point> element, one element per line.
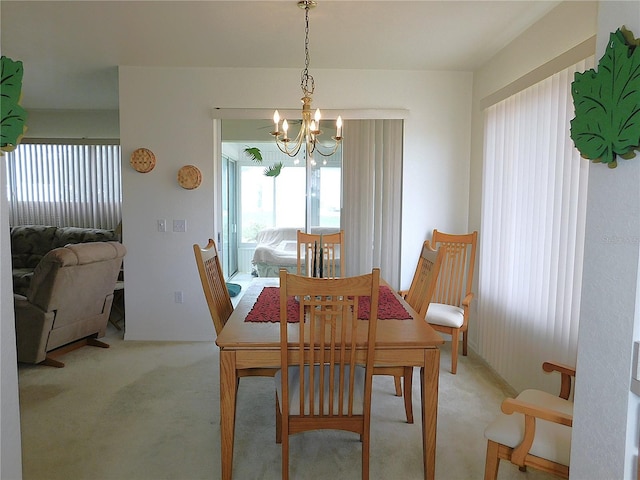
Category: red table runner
<point>267,307</point>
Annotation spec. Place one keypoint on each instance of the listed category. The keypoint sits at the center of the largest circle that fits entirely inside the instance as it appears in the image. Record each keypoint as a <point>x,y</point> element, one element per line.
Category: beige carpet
<point>150,410</point>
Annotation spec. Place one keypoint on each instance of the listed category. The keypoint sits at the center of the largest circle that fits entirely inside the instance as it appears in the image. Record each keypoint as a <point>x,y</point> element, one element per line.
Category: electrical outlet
<point>162,225</point>
<point>180,226</point>
<point>178,297</point>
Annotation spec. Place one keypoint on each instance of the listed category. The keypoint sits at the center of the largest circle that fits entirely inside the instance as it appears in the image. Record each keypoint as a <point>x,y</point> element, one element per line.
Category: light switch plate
<point>162,225</point>
<point>180,226</point>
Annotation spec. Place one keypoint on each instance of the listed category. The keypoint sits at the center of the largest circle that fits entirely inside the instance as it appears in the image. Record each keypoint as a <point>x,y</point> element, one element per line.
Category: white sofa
<point>276,249</point>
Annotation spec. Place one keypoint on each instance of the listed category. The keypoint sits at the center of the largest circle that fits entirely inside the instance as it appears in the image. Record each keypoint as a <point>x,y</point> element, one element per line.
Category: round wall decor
<point>189,177</point>
<point>143,160</point>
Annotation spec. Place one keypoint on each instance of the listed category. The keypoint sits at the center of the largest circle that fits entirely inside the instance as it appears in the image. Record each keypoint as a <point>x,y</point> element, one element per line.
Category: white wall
<point>167,111</point>
<point>94,124</point>
<point>605,430</point>
<point>10,440</point>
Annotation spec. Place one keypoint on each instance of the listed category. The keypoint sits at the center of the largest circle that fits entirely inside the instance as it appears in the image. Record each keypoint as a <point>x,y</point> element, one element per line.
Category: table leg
<point>227,410</point>
<point>429,380</point>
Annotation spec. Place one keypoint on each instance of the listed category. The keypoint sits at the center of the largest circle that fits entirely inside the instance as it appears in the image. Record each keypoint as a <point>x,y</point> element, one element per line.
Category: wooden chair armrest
<point>558,367</point>
<point>531,412</point>
<point>466,301</point>
<point>512,405</point>
<point>566,373</point>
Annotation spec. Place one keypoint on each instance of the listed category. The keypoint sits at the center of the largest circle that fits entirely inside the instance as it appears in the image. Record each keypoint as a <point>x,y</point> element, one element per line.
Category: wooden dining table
<point>243,345</point>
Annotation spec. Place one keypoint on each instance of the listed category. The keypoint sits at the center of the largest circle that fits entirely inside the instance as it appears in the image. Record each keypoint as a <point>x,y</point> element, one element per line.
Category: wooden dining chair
<point>534,429</point>
<point>213,284</point>
<point>449,309</point>
<point>321,255</point>
<point>325,379</point>
<point>418,297</point>
<point>217,296</point>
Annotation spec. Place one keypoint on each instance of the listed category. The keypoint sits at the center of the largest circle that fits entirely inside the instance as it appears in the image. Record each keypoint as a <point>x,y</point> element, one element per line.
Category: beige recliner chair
<point>68,301</point>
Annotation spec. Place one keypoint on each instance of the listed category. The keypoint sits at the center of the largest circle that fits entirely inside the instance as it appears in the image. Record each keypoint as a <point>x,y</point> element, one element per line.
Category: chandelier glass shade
<point>310,126</point>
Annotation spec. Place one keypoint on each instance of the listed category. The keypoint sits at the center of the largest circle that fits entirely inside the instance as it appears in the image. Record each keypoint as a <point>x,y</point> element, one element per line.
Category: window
<point>64,185</point>
<point>531,241</point>
<point>298,197</point>
<point>330,190</point>
<point>270,202</point>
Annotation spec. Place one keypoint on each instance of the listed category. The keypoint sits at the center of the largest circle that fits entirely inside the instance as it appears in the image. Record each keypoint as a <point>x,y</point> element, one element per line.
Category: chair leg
<point>52,355</point>
<point>94,342</point>
<point>365,456</point>
<point>454,350</point>
<point>396,379</point>
<point>278,421</point>
<point>408,389</point>
<point>52,362</point>
<point>492,461</point>
<point>422,396</point>
<point>464,342</point>
<point>285,457</point>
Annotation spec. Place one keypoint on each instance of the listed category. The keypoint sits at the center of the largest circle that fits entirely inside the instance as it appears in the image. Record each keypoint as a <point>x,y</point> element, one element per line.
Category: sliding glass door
<point>362,195</point>
<point>229,247</point>
<point>306,193</point>
<point>325,190</point>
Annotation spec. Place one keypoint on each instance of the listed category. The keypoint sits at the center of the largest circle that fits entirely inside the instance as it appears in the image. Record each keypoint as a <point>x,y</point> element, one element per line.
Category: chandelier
<point>310,127</point>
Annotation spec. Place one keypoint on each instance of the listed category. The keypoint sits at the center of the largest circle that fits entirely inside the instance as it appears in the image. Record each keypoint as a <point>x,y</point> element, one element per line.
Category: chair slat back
<point>213,284</point>
<point>328,336</point>
<point>456,273</point>
<point>314,247</point>
<point>425,278</point>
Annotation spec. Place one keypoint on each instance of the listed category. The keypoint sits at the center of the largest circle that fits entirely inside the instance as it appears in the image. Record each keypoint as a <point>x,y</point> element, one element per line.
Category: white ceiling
<point>71,49</point>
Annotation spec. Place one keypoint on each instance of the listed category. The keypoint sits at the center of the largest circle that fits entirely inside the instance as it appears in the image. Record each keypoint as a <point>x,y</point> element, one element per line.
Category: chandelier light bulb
<point>276,119</point>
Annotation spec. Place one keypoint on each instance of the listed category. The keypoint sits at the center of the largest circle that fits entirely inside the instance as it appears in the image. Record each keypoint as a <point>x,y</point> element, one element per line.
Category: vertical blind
<point>532,235</point>
<point>372,196</point>
<point>65,185</point>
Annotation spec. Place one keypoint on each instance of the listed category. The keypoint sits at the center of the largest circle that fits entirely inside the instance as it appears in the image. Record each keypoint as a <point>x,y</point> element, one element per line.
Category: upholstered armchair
<point>68,301</point>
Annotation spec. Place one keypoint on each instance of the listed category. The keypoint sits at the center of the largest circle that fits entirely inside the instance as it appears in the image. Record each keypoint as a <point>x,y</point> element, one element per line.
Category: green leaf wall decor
<point>12,115</point>
<point>607,103</point>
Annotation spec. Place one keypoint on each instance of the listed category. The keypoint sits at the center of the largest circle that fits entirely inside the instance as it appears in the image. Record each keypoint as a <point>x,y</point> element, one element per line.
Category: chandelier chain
<point>306,78</point>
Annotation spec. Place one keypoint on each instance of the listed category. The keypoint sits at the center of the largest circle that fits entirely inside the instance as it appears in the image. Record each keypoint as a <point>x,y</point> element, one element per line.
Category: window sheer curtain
<point>65,185</point>
<point>372,196</point>
<point>532,235</point>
